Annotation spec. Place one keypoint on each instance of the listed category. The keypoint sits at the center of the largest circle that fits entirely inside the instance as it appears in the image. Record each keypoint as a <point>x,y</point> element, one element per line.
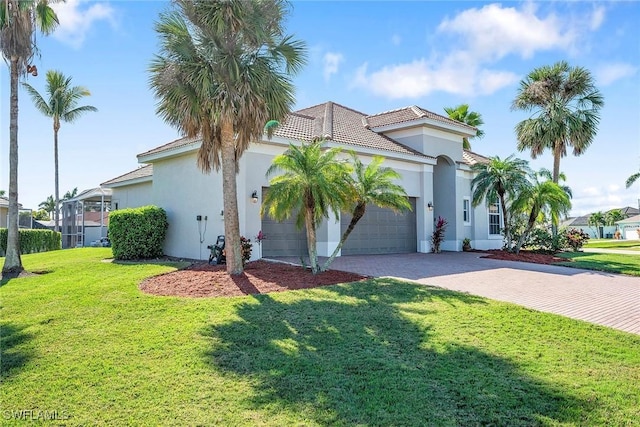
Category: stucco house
<point>607,231</point>
<point>424,147</point>
<point>630,228</point>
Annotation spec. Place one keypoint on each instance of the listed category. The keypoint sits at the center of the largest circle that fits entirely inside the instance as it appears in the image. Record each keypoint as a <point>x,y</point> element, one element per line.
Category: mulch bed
<point>524,256</point>
<point>259,277</point>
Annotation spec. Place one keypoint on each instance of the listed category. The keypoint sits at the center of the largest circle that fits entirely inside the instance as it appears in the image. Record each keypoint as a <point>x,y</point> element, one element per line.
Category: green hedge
<point>33,241</point>
<point>137,233</point>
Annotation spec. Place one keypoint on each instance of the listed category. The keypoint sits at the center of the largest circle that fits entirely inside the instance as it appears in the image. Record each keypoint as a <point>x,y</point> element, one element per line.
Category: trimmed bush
<point>33,241</point>
<point>137,233</point>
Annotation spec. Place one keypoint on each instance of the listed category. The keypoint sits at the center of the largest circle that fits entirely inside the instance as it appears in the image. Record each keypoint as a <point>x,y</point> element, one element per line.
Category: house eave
<point>425,121</point>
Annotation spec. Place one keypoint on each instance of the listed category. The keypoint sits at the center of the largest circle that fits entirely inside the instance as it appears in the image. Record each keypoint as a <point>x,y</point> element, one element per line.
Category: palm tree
<point>18,21</point>
<point>462,114</point>
<point>537,198</point>
<point>222,74</point>
<point>498,180</point>
<point>546,174</point>
<point>373,184</point>
<point>613,216</point>
<point>62,104</point>
<point>2,193</point>
<point>48,205</point>
<point>70,194</point>
<point>565,104</point>
<point>598,220</point>
<point>632,179</point>
<point>313,183</point>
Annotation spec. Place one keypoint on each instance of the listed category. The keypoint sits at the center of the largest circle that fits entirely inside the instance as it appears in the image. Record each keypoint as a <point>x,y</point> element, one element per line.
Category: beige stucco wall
<point>132,196</point>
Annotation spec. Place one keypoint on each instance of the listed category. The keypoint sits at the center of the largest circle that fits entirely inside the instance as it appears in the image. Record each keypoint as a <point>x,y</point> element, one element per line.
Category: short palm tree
<point>535,199</point>
<point>565,104</point>
<point>598,220</point>
<point>2,193</point>
<point>499,180</point>
<point>632,179</point>
<point>372,184</point>
<point>19,19</point>
<point>313,184</point>
<point>462,114</point>
<point>48,205</point>
<point>223,72</point>
<point>61,104</point>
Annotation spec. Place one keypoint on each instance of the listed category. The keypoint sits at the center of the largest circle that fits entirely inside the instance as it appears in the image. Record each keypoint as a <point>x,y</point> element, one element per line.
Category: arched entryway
<point>444,198</point>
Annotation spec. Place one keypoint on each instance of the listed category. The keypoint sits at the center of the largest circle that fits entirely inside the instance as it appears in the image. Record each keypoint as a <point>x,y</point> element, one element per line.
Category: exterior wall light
<point>254,196</point>
<point>430,206</point>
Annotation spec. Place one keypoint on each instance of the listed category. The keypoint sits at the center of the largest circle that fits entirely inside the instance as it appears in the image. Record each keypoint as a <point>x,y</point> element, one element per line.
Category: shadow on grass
<point>602,262</point>
<point>180,265</point>
<point>12,357</point>
<point>350,355</point>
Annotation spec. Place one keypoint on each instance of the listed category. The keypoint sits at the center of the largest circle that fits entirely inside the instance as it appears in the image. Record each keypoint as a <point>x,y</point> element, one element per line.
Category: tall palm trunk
<point>230,199</point>
<point>56,128</point>
<point>311,239</point>
<point>505,221</point>
<point>530,223</point>
<point>358,213</point>
<point>556,177</point>
<point>12,262</point>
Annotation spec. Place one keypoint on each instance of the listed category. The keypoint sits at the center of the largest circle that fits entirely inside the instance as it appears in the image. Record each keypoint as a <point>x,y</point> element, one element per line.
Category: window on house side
<point>466,211</point>
<point>494,218</point>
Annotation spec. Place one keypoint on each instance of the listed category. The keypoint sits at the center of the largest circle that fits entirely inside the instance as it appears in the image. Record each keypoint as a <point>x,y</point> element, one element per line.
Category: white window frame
<point>466,209</point>
<point>496,213</point>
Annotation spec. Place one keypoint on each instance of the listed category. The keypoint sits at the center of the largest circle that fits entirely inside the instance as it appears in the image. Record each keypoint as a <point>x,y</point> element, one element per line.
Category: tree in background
<point>462,114</point>
<point>223,72</point>
<point>70,194</point>
<point>49,206</point>
<point>19,20</point>
<point>2,193</point>
<point>613,216</point>
<point>372,184</point>
<point>498,180</point>
<point>632,179</point>
<point>565,104</point>
<point>313,183</point>
<point>598,220</point>
<point>61,105</point>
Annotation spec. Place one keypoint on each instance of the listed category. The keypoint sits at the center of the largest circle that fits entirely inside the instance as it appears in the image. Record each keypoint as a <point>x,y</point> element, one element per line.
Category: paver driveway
<point>607,299</point>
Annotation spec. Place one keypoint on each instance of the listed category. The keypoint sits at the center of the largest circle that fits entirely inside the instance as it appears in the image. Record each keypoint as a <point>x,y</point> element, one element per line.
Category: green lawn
<point>633,245</point>
<point>612,263</point>
<point>82,340</point>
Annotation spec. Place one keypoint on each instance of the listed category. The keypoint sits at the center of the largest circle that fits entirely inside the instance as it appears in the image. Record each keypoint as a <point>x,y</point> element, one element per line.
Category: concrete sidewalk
<point>603,298</point>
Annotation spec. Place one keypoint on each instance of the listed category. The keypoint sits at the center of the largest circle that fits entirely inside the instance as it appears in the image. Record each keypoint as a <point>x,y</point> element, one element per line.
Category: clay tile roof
<point>141,172</point>
<point>472,158</point>
<point>340,124</point>
<point>181,142</point>
<point>408,114</point>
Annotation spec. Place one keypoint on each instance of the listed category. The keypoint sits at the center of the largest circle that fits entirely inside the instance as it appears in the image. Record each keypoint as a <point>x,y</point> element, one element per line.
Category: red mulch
<point>259,277</point>
<point>524,256</point>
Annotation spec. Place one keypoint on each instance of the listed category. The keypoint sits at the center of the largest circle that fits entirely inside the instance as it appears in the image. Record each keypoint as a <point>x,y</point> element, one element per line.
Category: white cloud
<point>456,74</point>
<point>493,31</point>
<point>483,36</point>
<point>601,199</point>
<point>609,73</point>
<point>597,18</point>
<point>331,61</point>
<point>76,19</point>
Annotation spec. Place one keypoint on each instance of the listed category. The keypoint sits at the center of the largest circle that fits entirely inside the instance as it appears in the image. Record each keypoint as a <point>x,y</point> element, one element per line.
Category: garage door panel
<point>381,231</point>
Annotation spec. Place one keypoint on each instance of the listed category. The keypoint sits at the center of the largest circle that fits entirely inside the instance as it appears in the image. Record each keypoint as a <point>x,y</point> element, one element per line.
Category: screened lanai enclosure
<point>85,218</point>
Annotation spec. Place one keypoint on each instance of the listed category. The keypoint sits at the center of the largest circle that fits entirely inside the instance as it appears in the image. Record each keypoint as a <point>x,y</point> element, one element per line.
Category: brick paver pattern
<point>602,298</point>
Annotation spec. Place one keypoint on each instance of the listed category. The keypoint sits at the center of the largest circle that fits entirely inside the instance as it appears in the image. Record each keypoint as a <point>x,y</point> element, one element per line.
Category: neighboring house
<point>582,223</point>
<point>85,218</point>
<point>425,148</point>
<point>630,227</point>
<point>24,217</point>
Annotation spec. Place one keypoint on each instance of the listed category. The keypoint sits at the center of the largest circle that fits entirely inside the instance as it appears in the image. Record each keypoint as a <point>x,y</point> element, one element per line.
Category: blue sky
<point>369,56</point>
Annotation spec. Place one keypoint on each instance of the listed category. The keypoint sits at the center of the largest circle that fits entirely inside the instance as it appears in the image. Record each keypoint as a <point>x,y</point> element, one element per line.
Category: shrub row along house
<point>424,147</point>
